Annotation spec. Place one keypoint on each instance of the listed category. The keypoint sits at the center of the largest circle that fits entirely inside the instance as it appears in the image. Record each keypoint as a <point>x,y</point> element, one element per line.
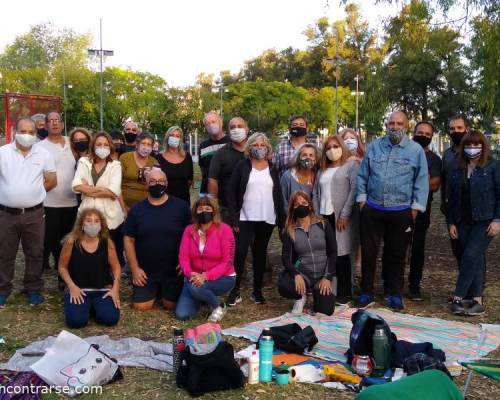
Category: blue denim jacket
<point>394,175</point>
<point>484,194</point>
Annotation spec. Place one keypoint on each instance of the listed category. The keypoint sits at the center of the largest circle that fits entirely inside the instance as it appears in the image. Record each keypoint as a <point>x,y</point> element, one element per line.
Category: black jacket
<point>238,186</point>
<point>484,193</point>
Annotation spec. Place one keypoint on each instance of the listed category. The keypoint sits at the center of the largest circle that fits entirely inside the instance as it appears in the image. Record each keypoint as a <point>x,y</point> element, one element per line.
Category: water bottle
<point>177,346</point>
<point>266,345</point>
<point>381,351</point>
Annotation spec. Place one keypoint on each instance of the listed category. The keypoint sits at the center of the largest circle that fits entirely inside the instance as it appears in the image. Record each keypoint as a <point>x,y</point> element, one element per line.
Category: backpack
<point>292,338</point>
<point>217,370</point>
<point>363,327</point>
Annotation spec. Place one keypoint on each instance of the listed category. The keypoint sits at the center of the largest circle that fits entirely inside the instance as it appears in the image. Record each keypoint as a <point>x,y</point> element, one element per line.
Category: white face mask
<point>102,152</point>
<point>25,139</point>
<point>92,229</point>
<point>352,144</point>
<point>238,134</point>
<point>173,141</point>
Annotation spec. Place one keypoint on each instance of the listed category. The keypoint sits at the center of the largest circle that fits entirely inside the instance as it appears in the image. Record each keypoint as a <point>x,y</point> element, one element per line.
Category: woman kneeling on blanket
<point>309,256</point>
<point>206,258</point>
<point>90,268</point>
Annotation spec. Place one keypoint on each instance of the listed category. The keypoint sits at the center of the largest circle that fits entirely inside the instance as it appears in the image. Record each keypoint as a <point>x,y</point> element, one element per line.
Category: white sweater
<point>110,179</point>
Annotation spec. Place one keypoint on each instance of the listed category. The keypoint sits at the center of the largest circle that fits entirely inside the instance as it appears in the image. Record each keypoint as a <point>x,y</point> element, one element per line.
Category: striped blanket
<point>458,340</point>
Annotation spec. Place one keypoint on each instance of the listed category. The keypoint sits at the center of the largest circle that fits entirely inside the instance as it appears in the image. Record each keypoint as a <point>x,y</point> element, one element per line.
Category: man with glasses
<point>297,136</point>
<point>152,236</point>
<point>61,204</point>
<point>422,134</point>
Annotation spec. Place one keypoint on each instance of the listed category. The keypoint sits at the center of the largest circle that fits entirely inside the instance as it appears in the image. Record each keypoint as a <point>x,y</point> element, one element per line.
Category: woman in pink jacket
<point>206,258</point>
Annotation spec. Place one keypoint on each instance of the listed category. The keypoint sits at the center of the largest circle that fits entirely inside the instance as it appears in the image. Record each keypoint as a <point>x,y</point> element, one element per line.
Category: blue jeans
<point>474,242</point>
<point>192,297</point>
<point>78,315</point>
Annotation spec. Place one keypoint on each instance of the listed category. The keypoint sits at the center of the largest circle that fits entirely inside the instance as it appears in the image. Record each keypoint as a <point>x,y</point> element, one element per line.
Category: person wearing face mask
<point>423,134</point>
<point>118,143</point>
<point>152,236</point>
<point>473,217</point>
<point>392,187</point>
<point>309,257</point>
<point>224,161</point>
<point>80,140</point>
<point>27,173</point>
<point>216,140</point>
<point>177,165</point>
<point>98,179</point>
<point>334,197</point>
<point>89,266</point>
<point>206,258</point>
<point>135,166</point>
<point>41,132</point>
<point>353,143</point>
<point>130,131</point>
<point>302,172</point>
<point>255,207</point>
<point>61,203</point>
<point>296,137</point>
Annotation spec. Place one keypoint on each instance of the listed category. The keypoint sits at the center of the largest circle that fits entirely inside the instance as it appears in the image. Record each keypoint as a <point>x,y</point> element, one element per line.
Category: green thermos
<point>381,351</point>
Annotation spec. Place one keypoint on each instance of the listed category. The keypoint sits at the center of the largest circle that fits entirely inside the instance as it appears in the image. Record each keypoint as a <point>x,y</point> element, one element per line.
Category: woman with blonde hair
<point>89,266</point>
<point>206,258</point>
<point>255,207</point>
<point>309,257</point>
<point>302,172</point>
<point>353,142</point>
<point>177,164</point>
<point>334,197</point>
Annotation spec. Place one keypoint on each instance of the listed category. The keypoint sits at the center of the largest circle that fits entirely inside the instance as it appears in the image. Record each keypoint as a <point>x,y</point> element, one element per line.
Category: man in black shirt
<point>216,139</point>
<point>423,135</point>
<point>224,161</point>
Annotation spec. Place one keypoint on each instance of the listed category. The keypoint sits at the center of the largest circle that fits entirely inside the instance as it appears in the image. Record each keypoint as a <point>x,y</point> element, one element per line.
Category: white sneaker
<point>218,313</point>
<point>299,304</point>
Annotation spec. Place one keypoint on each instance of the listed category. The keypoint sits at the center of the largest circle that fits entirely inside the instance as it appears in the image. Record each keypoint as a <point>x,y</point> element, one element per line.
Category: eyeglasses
<point>153,182</point>
<point>54,120</point>
<point>207,195</point>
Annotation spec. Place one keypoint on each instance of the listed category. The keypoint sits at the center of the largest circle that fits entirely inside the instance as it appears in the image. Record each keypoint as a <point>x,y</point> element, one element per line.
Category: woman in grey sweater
<point>333,197</point>
<point>309,255</point>
<point>302,172</point>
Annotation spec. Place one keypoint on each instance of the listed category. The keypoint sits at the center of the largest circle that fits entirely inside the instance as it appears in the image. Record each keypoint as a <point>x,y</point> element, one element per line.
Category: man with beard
<point>393,186</point>
<point>296,137</point>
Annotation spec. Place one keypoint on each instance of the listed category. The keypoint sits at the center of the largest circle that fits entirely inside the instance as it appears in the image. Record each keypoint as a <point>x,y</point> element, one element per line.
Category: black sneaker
<point>474,308</point>
<point>457,307</point>
<point>233,299</point>
<point>257,297</point>
<point>415,295</point>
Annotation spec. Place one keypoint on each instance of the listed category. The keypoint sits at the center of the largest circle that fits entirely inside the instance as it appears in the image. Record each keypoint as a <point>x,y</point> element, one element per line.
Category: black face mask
<point>423,141</point>
<point>42,133</point>
<point>301,211</point>
<point>205,217</point>
<point>82,145</point>
<point>456,137</point>
<point>298,131</point>
<point>130,137</point>
<point>157,190</point>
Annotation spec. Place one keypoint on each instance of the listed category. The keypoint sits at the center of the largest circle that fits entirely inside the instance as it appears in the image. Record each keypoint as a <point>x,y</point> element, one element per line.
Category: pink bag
<point>204,338</point>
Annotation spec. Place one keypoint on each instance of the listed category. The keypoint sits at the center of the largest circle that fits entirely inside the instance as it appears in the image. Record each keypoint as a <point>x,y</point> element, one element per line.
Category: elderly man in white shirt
<point>60,204</point>
<point>27,173</point>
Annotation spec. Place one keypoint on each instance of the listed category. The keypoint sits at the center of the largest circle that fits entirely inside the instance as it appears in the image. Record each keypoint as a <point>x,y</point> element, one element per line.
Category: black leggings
<point>256,234</point>
<point>324,304</point>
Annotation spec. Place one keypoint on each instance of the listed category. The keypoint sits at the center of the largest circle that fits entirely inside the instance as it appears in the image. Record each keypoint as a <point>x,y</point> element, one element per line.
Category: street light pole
<point>101,53</point>
<point>357,101</point>
<point>64,101</point>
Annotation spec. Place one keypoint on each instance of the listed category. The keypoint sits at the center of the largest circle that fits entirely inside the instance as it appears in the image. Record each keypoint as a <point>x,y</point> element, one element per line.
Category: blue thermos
<point>266,345</point>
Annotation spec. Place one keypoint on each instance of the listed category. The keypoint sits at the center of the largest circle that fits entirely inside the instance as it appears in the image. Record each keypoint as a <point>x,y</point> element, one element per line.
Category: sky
<point>179,39</point>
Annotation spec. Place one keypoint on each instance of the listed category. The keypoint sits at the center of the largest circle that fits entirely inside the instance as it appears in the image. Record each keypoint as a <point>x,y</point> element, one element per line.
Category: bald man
<point>393,186</point>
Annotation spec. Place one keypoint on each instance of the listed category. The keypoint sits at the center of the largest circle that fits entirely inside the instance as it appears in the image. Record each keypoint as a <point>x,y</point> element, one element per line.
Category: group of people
<point>101,204</point>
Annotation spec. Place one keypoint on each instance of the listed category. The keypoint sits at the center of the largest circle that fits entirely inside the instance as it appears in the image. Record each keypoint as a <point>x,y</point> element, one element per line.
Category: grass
<point>21,324</point>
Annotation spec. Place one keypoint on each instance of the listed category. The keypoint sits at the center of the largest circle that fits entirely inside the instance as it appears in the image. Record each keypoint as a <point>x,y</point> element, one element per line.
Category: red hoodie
<point>217,258</point>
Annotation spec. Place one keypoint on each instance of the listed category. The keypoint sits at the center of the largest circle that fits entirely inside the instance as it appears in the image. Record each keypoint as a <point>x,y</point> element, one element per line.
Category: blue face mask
<point>473,152</point>
<point>173,141</point>
<point>259,154</point>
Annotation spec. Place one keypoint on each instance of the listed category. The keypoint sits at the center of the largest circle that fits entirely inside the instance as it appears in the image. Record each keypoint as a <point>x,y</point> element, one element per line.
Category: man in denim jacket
<point>393,185</point>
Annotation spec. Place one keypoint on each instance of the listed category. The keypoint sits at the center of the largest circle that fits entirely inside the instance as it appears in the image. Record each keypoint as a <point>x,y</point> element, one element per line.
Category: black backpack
<point>292,338</point>
<point>363,327</point>
<point>218,370</point>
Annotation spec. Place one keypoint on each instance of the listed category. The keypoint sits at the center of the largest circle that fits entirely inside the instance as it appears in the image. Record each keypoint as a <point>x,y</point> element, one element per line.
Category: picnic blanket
<point>129,352</point>
<point>458,340</point>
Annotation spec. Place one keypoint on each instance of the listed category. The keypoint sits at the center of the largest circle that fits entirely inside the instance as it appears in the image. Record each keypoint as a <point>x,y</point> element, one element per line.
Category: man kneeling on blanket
<point>309,256</point>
